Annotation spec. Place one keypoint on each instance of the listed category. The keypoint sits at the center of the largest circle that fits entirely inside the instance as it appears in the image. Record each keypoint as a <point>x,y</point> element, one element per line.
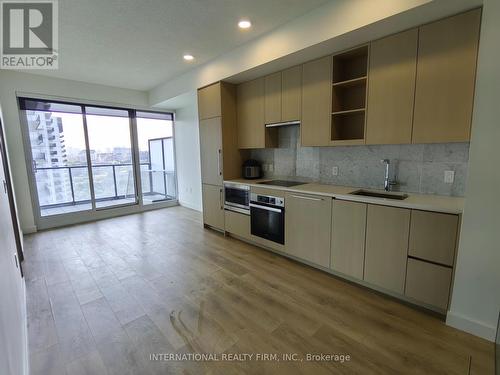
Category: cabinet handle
<point>221,200</point>
<point>308,198</point>
<point>5,186</point>
<point>219,152</point>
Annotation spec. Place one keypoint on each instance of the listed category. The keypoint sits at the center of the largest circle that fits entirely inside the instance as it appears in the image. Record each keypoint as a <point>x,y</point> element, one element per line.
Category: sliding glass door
<point>90,158</point>
<point>111,156</point>
<point>156,150</point>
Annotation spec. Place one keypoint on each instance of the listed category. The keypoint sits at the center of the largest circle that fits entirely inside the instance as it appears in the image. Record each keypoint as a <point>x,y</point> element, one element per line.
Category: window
<point>87,140</point>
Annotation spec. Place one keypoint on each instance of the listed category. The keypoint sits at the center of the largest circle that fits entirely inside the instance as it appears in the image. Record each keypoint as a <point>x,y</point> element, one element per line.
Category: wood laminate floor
<point>104,296</point>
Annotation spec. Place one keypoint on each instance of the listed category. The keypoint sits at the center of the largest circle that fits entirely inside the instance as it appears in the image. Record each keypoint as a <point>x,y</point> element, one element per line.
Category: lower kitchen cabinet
<point>237,224</point>
<point>308,227</point>
<point>213,206</point>
<point>428,283</point>
<point>387,233</point>
<point>348,238</point>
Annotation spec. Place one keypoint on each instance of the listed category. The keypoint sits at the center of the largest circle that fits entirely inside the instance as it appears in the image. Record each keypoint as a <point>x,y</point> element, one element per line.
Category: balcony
<point>114,185</point>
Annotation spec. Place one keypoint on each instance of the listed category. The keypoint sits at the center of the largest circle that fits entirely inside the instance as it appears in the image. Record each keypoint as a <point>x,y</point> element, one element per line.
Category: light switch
<point>449,177</point>
<point>335,171</point>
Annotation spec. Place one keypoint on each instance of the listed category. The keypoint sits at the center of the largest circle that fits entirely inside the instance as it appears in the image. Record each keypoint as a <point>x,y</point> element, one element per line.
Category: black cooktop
<point>284,183</point>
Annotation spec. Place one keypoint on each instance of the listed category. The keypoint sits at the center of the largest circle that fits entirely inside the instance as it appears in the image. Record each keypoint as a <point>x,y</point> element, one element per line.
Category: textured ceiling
<point>139,44</point>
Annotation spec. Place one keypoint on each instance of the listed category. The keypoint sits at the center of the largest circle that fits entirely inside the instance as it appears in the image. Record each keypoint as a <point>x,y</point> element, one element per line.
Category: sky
<point>106,132</point>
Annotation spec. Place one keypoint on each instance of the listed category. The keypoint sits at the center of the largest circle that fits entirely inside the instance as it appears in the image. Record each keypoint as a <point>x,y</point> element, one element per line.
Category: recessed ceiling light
<point>244,24</point>
<point>188,57</point>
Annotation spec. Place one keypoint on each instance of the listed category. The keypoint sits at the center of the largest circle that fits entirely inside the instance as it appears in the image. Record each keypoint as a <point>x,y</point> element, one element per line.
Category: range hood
<point>286,123</point>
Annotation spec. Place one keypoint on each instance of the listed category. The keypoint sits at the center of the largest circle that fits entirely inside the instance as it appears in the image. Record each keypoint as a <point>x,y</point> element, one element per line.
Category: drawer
<point>433,236</point>
<point>428,283</point>
<point>237,224</point>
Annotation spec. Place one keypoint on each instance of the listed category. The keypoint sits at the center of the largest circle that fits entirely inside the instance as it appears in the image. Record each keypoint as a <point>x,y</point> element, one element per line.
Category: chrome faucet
<point>388,184</point>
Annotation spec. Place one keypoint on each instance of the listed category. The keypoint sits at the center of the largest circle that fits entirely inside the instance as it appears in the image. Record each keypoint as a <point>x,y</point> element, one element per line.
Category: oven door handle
<point>266,208</point>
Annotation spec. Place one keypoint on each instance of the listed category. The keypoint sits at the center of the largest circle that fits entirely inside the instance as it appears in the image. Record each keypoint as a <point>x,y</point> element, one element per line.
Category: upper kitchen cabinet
<point>252,132</point>
<point>446,70</point>
<point>282,96</point>
<point>272,98</point>
<point>350,70</point>
<point>291,94</point>
<point>316,102</point>
<point>391,88</point>
<point>209,101</point>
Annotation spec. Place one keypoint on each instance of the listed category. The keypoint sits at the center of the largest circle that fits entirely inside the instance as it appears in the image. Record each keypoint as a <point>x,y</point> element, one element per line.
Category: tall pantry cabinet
<point>220,157</point>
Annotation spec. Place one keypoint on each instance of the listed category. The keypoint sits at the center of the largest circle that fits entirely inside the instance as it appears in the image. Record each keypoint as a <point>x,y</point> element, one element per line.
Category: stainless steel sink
<point>376,194</point>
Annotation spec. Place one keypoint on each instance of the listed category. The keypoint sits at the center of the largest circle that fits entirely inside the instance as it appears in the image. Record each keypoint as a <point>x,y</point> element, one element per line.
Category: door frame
<point>59,220</point>
<point>10,195</point>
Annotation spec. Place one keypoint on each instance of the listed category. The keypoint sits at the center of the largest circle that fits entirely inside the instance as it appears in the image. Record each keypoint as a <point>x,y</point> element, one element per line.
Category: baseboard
<point>190,205</point>
<point>471,326</point>
<point>29,230</point>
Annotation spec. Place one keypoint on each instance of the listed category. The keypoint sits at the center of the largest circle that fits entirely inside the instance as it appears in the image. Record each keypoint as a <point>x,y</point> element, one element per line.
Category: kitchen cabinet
<point>291,94</point>
<point>213,206</point>
<point>316,102</point>
<point>446,70</point>
<point>252,132</point>
<point>433,236</point>
<point>237,224</point>
<point>387,232</point>
<point>220,157</point>
<point>308,228</point>
<point>428,283</point>
<point>391,88</point>
<point>209,101</point>
<point>211,151</point>
<point>282,96</point>
<point>272,98</point>
<point>348,238</point>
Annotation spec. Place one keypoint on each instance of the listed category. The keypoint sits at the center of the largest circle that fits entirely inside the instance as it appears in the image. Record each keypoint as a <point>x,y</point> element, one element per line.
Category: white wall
<point>12,82</point>
<point>187,151</point>
<point>476,295</point>
<point>332,27</point>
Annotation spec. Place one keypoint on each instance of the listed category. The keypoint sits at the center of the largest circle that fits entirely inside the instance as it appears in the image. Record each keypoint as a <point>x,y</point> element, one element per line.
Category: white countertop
<point>426,202</point>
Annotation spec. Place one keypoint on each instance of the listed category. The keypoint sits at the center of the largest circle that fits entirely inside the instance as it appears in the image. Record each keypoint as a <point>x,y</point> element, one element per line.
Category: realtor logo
<point>29,38</point>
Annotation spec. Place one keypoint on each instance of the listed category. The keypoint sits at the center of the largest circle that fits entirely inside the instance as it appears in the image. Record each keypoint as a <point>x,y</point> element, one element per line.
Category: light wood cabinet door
<point>308,227</point>
<point>446,71</point>
<point>348,238</point>
<point>272,98</point>
<point>387,231</point>
<point>211,151</point>
<point>316,102</point>
<point>433,236</point>
<point>250,113</point>
<point>237,224</point>
<point>209,101</point>
<point>213,206</point>
<point>391,88</point>
<point>428,283</point>
<point>291,94</point>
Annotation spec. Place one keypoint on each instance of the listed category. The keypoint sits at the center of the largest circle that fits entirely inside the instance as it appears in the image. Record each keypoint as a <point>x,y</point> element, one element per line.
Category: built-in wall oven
<point>267,217</point>
<point>237,197</point>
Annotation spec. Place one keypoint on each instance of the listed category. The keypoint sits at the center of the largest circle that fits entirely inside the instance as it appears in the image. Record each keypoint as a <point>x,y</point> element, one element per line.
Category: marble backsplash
<point>418,168</point>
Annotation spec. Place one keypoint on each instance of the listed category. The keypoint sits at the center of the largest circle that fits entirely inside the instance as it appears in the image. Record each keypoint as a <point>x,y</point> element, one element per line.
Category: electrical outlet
<point>335,171</point>
<point>449,177</point>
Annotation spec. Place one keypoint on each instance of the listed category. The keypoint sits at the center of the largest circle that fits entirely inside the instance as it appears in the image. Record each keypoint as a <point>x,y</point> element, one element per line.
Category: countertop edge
<point>363,199</point>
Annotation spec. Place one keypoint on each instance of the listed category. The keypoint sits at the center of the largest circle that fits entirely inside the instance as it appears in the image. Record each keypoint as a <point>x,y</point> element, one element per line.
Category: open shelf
<point>348,111</point>
<point>350,65</point>
<point>348,126</point>
<point>350,70</point>
<point>351,82</point>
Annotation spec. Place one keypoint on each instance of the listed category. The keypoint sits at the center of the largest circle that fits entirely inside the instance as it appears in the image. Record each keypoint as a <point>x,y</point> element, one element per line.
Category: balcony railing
<point>111,182</point>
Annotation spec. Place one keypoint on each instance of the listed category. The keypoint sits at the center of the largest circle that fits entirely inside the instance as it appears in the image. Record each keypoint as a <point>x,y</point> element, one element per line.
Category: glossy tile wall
<point>418,168</point>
